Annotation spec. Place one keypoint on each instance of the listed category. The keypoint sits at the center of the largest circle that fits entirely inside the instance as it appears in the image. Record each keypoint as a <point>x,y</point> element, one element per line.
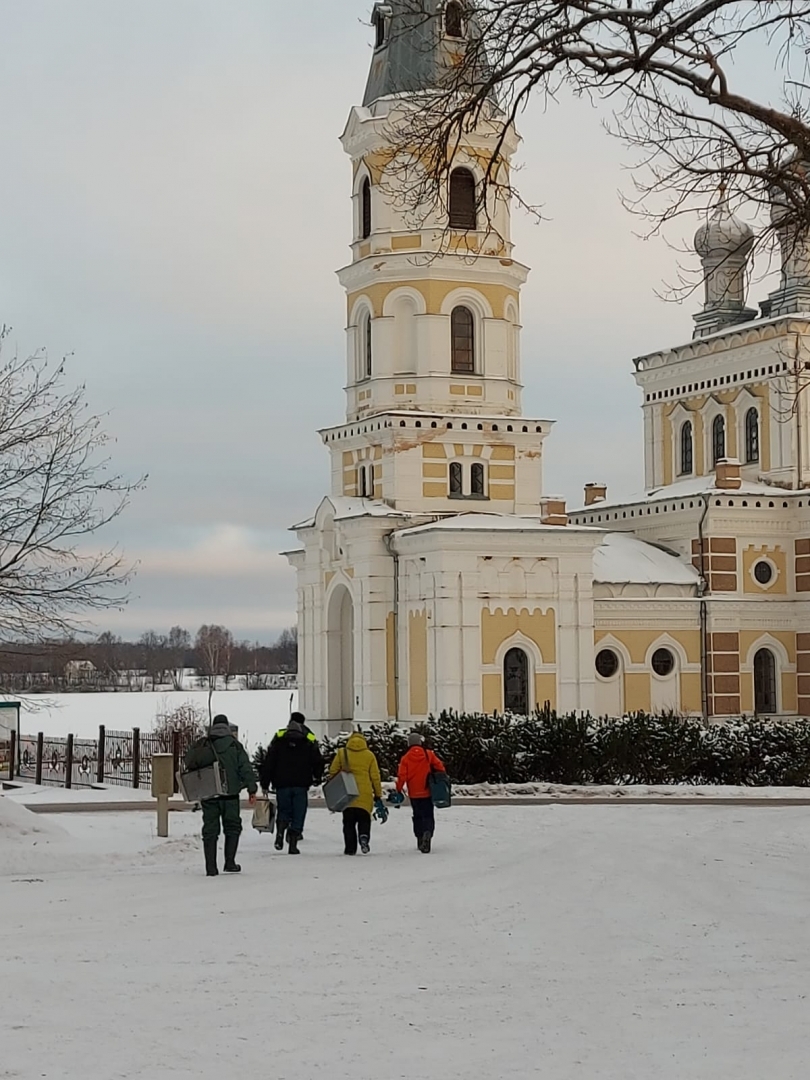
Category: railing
<point>115,757</point>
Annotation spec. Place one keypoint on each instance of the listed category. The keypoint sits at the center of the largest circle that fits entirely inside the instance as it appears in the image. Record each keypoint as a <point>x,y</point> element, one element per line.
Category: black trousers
<point>424,819</point>
<point>356,823</point>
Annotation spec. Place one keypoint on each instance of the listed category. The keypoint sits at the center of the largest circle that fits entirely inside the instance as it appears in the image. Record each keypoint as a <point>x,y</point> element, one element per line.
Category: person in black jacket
<point>292,764</point>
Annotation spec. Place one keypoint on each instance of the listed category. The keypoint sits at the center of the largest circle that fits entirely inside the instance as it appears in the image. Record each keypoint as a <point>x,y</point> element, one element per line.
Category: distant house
<point>79,670</point>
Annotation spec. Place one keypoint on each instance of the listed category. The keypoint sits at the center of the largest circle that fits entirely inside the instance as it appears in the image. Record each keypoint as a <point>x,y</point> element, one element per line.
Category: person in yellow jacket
<point>360,761</point>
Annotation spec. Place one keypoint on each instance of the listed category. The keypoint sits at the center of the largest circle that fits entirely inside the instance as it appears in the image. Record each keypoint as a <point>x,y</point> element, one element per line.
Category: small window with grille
<point>477,480</point>
<point>718,439</point>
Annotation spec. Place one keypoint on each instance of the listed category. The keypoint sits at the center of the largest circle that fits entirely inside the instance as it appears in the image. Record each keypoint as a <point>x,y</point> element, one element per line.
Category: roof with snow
<point>690,488</point>
<point>490,523</point>
<point>347,507</point>
<point>624,559</point>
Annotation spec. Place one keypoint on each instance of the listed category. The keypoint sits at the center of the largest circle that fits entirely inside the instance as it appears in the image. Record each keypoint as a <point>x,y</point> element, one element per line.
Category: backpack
<point>438,786</point>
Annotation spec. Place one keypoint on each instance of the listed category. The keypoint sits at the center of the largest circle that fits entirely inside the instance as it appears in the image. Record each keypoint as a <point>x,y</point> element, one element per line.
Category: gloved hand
<point>380,811</point>
<point>396,798</point>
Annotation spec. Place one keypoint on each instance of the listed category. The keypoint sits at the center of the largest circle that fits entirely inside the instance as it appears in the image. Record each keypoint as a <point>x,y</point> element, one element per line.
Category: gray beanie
<point>415,739</point>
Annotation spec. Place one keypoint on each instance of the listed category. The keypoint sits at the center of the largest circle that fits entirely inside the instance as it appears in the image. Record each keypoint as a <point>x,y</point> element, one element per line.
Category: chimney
<point>727,474</point>
<point>552,510</point>
<point>595,493</point>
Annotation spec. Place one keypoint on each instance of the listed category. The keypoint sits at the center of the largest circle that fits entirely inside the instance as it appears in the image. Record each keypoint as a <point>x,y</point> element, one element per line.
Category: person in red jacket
<point>414,769</point>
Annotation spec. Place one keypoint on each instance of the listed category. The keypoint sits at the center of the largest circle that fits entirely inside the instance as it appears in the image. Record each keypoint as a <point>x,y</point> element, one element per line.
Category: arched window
<point>456,486</point>
<point>362,490</point>
<point>462,341</point>
<point>687,452</point>
<point>379,27</point>
<point>365,209</point>
<point>454,19</point>
<point>718,439</point>
<point>765,682</point>
<point>516,682</point>
<point>477,479</point>
<point>462,200</point>
<point>751,436</point>
<point>368,355</point>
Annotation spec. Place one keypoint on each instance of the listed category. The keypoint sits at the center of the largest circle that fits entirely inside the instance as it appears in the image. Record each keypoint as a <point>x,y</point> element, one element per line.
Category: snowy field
<point>259,713</point>
<point>560,942</point>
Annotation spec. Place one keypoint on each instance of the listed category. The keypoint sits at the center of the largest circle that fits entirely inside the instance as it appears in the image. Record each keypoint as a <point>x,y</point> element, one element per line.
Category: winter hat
<point>299,718</point>
<point>415,739</point>
<point>221,718</point>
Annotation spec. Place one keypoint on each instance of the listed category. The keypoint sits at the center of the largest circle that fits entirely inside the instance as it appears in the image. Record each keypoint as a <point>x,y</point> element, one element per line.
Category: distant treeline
<point>212,656</point>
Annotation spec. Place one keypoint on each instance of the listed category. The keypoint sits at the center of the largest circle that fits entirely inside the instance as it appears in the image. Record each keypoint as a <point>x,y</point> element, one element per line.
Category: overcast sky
<point>174,203</point>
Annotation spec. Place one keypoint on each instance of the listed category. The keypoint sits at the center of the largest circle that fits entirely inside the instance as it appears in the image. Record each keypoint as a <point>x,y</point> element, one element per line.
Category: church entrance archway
<point>340,655</point>
<point>516,698</point>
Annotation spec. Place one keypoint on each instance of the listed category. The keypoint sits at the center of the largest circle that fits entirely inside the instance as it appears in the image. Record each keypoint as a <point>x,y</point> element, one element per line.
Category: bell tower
<point>432,297</point>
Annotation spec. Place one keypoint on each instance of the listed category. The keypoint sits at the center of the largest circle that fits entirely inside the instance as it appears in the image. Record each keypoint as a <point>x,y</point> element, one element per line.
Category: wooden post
<point>175,759</point>
<point>40,752</point>
<point>162,787</point>
<point>69,762</point>
<point>102,740</point>
<point>13,754</point>
<point>136,757</point>
<point>163,815</point>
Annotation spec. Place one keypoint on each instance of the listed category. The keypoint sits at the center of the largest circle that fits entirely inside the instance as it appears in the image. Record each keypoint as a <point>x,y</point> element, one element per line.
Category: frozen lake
<point>607,943</point>
<point>259,713</point>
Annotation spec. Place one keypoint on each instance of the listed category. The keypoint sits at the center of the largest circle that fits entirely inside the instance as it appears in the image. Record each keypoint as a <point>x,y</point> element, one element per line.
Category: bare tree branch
<point>56,491</point>
<point>672,72</point>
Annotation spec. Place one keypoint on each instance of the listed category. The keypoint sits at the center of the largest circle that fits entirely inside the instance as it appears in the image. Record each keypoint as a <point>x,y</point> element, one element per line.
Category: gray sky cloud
<point>175,202</point>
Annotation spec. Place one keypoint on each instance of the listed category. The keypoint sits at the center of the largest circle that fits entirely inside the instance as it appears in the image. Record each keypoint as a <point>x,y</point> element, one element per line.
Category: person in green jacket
<point>220,744</point>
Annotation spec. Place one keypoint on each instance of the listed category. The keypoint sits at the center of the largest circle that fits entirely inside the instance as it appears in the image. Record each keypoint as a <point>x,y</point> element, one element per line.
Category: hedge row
<point>637,749</point>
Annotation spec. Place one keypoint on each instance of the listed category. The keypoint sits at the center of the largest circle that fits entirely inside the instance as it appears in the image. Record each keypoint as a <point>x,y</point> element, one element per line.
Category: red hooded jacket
<point>414,769</point>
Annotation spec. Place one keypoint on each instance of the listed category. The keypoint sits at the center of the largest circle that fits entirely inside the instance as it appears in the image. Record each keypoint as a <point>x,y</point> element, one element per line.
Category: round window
<point>663,662</point>
<point>607,663</point>
<point>763,572</point>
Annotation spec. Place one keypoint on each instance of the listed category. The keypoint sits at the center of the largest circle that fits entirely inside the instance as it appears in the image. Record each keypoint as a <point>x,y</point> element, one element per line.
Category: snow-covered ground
<point>562,942</point>
<point>259,713</point>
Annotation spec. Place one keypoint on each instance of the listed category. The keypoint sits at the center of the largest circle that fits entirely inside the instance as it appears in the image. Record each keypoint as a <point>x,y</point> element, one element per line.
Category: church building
<point>438,574</point>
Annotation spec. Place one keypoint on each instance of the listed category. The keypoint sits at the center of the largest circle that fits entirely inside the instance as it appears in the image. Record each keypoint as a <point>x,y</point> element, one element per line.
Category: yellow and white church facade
<point>437,574</point>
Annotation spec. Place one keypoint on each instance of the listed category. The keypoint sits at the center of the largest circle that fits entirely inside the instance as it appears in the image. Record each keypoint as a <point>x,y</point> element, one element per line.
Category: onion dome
<point>723,235</point>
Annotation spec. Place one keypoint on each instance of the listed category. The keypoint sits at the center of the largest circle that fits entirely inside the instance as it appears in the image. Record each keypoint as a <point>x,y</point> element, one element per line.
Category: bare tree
<point>286,650</point>
<point>671,72</point>
<point>214,647</point>
<point>56,492</point>
<point>179,646</point>
<point>154,654</point>
<point>108,657</point>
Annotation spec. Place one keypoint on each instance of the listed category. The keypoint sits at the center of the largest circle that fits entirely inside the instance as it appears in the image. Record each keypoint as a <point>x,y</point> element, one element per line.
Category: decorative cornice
<point>734,338</point>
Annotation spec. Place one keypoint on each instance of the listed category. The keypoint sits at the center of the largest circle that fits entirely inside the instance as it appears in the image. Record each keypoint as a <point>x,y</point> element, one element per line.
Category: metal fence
<point>115,757</point>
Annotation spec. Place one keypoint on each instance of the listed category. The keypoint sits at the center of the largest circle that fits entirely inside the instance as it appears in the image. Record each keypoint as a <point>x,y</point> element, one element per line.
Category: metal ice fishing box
<point>340,791</point>
<point>197,785</point>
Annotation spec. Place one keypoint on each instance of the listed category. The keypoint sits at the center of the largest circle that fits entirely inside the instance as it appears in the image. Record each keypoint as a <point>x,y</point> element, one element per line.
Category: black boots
<point>231,846</point>
<point>424,843</point>
<point>365,846</point>
<point>210,850</point>
<point>292,841</point>
<point>281,829</point>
